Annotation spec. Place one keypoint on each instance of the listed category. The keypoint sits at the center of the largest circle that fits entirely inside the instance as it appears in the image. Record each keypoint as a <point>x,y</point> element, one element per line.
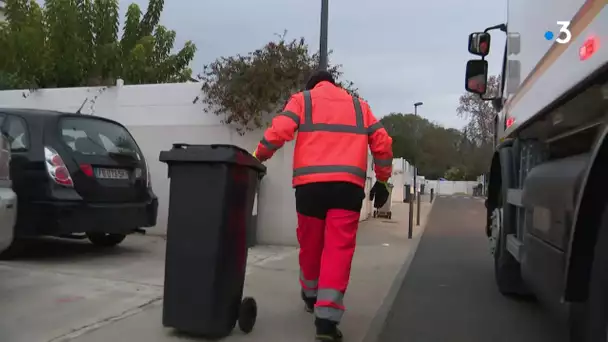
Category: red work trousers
<point>328,218</point>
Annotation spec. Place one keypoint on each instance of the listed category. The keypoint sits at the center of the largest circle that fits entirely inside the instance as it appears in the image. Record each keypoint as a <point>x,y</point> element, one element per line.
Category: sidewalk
<point>383,248</point>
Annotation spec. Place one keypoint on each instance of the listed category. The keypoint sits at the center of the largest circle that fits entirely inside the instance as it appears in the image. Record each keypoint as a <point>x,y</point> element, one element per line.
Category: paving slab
<point>60,289</point>
<point>382,250</point>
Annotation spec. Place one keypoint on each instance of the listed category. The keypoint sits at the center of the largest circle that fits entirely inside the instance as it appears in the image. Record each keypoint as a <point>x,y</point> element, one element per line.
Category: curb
<point>378,322</point>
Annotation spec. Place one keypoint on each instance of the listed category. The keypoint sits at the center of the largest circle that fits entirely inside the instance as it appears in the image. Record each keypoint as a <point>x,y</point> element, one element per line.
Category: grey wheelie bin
<point>385,210</point>
<point>407,193</point>
<point>210,210</point>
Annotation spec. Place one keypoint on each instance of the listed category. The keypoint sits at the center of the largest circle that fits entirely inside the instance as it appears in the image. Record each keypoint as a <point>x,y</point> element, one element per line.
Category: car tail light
<point>56,168</point>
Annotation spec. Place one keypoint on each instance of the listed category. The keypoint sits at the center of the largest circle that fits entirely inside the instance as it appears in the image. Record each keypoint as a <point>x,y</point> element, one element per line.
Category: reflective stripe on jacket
<point>334,133</point>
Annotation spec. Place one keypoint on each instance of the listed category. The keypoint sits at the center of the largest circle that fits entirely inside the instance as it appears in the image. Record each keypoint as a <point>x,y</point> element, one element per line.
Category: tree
<point>146,49</point>
<point>401,127</point>
<point>455,174</point>
<point>22,41</point>
<point>71,43</point>
<point>479,131</point>
<point>244,88</point>
<point>432,148</point>
<point>435,150</point>
<point>479,113</point>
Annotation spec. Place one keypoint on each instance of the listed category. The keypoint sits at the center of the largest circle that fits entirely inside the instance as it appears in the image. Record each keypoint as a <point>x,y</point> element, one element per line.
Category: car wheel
<point>12,251</point>
<point>589,320</point>
<point>105,239</point>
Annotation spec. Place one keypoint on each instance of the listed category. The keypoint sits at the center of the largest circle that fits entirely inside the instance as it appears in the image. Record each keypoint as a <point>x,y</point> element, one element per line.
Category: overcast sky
<point>397,52</point>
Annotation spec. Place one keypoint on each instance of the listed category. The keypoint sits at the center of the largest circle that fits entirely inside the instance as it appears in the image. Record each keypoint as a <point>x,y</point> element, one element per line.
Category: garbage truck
<point>547,198</point>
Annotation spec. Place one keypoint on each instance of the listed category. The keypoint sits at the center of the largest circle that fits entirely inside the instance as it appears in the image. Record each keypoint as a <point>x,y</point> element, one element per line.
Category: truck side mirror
<point>479,43</point>
<point>476,79</point>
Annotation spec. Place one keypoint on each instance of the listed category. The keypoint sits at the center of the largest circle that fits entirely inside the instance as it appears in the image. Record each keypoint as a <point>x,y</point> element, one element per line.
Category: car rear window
<point>97,137</point>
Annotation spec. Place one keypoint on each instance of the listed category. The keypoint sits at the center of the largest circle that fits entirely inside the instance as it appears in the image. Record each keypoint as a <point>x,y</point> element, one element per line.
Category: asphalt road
<point>449,295</point>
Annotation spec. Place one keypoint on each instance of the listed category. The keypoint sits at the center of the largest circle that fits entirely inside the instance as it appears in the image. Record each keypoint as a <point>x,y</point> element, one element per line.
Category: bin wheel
<point>248,314</point>
<point>375,214</point>
<point>390,214</point>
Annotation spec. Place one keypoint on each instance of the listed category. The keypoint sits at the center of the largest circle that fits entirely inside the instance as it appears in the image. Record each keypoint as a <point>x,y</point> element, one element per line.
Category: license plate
<point>111,173</point>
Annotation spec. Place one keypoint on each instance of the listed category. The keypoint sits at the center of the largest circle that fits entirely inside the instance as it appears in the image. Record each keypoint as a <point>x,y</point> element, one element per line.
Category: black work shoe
<point>327,331</point>
<point>335,337</point>
<point>309,303</point>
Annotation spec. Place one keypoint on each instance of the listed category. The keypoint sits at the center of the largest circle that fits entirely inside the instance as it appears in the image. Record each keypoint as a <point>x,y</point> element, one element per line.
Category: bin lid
<point>211,154</point>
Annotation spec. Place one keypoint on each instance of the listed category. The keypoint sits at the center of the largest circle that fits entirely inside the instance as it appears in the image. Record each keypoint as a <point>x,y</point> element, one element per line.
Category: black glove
<point>379,194</point>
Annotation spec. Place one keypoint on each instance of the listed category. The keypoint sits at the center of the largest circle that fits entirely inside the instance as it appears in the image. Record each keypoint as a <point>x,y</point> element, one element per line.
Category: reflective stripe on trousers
<point>309,287</point>
<point>330,305</point>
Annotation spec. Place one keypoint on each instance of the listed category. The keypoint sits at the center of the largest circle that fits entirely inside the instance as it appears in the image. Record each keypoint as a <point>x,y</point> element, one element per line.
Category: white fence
<point>403,173</point>
<point>443,187</point>
<point>160,115</point>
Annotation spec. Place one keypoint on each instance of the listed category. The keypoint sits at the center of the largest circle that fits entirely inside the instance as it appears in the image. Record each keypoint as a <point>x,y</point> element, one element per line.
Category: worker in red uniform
<point>330,162</point>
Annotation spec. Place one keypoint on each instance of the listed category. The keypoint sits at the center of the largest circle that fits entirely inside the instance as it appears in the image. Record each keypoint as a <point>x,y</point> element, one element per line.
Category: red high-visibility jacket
<point>334,132</point>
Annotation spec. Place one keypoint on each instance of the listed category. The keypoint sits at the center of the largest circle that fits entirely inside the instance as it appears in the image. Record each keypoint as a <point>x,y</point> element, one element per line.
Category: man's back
<point>335,137</point>
<point>332,105</point>
<point>335,131</point>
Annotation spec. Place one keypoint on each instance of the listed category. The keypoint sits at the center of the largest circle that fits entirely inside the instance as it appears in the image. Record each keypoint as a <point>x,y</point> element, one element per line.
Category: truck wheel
<point>589,320</point>
<point>105,239</point>
<point>507,270</point>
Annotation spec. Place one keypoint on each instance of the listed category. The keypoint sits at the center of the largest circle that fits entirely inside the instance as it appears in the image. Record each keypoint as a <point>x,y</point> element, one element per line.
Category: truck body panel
<point>547,175</point>
<point>547,69</point>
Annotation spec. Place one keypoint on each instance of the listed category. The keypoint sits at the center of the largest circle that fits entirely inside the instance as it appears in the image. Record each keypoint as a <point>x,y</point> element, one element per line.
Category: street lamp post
<point>417,195</point>
<point>416,105</point>
<point>323,52</point>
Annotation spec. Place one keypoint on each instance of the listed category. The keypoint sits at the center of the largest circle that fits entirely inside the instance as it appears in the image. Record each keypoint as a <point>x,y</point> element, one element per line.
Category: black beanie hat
<point>319,76</point>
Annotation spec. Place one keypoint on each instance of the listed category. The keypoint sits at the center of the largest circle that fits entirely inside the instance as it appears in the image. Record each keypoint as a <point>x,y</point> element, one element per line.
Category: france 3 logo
<point>563,36</point>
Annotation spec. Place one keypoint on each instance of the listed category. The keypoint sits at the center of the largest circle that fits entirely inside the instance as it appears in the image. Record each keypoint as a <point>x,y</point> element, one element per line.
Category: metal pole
<point>418,210</point>
<point>410,228</point>
<point>415,154</point>
<point>417,195</point>
<point>323,36</point>
<point>404,179</point>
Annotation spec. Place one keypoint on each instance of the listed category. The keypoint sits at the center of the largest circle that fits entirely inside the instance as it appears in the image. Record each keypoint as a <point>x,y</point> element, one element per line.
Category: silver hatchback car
<point>8,199</point>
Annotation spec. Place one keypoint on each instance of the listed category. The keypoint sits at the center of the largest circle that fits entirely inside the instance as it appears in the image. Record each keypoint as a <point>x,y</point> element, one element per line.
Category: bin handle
<point>180,145</point>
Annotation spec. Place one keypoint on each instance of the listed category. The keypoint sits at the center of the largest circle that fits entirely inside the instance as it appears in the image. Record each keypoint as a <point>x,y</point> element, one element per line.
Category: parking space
<point>58,287</point>
<point>61,289</point>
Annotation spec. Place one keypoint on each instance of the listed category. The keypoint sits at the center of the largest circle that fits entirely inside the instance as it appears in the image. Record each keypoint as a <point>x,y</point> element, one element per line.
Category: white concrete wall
<point>368,208</point>
<point>403,173</point>
<point>450,187</point>
<point>160,115</point>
